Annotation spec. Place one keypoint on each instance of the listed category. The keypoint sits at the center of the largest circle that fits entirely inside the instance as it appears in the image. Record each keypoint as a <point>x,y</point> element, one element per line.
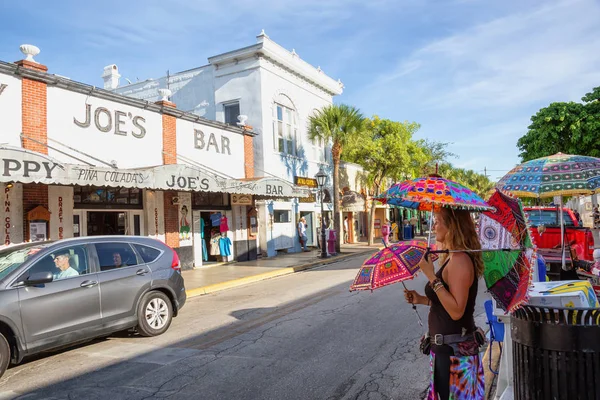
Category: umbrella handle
<point>414,307</point>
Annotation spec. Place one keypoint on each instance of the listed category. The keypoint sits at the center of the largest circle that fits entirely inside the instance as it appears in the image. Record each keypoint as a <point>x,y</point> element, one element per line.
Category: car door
<point>66,309</point>
<point>123,278</point>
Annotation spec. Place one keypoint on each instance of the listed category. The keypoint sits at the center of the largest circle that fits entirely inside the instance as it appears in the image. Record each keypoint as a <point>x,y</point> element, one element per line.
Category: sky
<point>470,72</point>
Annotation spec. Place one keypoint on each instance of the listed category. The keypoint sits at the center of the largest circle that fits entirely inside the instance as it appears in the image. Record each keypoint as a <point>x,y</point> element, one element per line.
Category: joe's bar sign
<point>306,182</point>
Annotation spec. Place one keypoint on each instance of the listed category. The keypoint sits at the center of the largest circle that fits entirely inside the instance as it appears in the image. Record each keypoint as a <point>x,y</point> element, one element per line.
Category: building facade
<point>80,161</point>
<point>274,91</point>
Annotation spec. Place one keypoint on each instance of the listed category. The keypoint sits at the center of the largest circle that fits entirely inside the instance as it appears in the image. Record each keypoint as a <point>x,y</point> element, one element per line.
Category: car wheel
<point>154,314</point>
<point>4,354</point>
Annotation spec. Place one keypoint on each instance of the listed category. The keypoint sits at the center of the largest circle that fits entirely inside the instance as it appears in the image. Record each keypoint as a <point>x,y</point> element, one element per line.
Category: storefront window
<point>208,199</point>
<point>91,195</point>
<point>281,216</point>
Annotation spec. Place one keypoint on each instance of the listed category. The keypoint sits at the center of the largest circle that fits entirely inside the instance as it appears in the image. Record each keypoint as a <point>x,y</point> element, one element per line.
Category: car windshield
<point>11,259</point>
<point>548,218</point>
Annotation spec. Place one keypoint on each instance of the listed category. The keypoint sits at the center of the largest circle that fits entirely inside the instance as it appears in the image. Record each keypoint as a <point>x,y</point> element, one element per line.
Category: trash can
<point>556,353</point>
<point>408,232</point>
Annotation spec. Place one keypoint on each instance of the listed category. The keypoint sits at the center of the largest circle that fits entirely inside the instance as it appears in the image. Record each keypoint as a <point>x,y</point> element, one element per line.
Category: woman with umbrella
<point>457,371</point>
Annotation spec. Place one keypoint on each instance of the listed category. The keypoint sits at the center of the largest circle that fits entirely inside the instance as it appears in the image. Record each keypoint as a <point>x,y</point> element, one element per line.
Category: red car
<point>546,234</point>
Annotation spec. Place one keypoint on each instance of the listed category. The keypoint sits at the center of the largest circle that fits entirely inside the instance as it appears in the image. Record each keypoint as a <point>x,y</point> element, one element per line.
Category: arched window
<point>285,125</point>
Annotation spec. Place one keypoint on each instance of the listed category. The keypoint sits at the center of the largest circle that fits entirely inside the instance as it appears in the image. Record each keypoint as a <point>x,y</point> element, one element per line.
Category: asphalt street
<point>301,336</point>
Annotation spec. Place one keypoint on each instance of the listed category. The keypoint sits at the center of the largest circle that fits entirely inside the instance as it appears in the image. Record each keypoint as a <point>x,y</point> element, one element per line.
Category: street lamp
<point>321,179</point>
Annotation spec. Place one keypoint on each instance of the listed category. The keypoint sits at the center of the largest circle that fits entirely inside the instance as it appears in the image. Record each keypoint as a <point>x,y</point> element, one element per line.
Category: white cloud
<point>519,59</point>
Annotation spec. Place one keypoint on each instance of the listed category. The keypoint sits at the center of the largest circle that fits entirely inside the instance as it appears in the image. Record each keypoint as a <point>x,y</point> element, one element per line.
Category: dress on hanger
<point>224,227</point>
<point>214,246</point>
<point>225,246</point>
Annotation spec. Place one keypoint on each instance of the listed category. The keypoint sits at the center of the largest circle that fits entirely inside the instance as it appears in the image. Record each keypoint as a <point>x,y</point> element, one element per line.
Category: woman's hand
<point>426,265</point>
<point>412,297</point>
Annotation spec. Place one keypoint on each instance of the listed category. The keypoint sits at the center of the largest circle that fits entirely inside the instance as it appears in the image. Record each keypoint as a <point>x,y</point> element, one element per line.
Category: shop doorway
<point>106,223</point>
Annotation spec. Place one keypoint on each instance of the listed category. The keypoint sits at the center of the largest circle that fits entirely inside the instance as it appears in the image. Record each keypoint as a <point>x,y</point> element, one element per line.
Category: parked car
<point>546,221</point>
<point>54,294</point>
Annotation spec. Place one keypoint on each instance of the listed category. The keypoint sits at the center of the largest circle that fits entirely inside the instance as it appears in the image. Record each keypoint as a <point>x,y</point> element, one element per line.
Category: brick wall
<point>171,220</point>
<point>34,119</point>
<point>34,194</point>
<point>248,156</point>
<point>34,102</point>
<point>169,124</point>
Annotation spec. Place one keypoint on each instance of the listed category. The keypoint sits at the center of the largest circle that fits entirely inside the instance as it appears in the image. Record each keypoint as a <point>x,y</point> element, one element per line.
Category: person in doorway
<point>345,229</point>
<point>302,234</point>
<point>62,262</point>
<point>451,293</point>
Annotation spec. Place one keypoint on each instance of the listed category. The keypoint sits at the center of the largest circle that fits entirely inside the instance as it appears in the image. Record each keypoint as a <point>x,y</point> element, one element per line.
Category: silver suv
<point>54,294</point>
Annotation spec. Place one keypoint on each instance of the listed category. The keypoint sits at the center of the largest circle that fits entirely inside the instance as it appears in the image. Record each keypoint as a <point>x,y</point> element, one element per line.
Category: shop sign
<point>309,199</point>
<point>107,121</point>
<point>306,182</point>
<point>6,221</point>
<point>17,165</point>
<point>241,199</point>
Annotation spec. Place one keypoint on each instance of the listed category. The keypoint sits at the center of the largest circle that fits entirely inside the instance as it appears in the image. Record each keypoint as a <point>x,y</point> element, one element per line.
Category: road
<point>301,336</point>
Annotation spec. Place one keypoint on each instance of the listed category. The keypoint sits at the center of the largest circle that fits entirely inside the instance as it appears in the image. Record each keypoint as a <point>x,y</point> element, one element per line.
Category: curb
<point>216,287</point>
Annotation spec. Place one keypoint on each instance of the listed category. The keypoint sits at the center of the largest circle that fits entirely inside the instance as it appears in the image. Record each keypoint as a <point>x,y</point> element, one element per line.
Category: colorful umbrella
<point>393,264</point>
<point>508,262</point>
<point>396,263</point>
<point>556,175</point>
<point>429,192</point>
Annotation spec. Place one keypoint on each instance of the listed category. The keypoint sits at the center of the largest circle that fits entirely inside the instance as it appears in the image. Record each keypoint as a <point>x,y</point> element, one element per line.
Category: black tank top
<point>440,321</point>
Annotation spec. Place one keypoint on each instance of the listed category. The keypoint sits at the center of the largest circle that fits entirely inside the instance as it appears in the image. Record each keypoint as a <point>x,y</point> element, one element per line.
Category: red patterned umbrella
<point>393,264</point>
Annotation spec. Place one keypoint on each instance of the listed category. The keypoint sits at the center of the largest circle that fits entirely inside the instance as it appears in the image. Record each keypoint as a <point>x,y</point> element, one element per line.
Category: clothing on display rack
<point>224,227</point>
<point>214,245</point>
<point>225,246</point>
<point>204,250</point>
<point>202,228</point>
<point>215,219</point>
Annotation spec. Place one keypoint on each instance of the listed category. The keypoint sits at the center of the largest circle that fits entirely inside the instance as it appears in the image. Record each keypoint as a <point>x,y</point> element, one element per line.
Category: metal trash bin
<point>556,353</point>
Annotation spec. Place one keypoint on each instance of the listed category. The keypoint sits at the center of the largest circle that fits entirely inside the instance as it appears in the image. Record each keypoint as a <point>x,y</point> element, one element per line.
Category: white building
<point>277,91</point>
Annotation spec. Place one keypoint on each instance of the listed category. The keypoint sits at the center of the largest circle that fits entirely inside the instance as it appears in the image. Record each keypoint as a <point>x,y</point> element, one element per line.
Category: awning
<point>353,202</point>
<point>24,166</point>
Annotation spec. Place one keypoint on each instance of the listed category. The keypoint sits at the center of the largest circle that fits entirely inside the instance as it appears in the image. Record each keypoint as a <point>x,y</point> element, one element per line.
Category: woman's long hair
<point>462,235</point>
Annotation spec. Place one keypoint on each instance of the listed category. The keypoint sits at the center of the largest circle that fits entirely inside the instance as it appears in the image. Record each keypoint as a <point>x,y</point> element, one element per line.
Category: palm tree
<point>335,124</point>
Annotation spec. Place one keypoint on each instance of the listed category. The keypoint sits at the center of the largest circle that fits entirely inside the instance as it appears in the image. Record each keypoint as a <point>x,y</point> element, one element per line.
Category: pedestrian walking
<point>453,340</point>
<point>345,229</point>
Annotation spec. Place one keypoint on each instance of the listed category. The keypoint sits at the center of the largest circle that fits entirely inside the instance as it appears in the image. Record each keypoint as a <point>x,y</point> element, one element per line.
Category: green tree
<point>386,150</point>
<point>571,128</point>
<point>336,124</point>
<point>479,183</point>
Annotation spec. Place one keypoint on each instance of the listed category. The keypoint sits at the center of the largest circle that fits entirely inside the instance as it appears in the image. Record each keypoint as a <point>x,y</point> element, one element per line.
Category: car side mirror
<point>39,278</point>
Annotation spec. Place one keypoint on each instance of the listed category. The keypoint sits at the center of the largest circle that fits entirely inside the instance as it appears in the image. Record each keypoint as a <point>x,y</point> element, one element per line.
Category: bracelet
<point>435,282</point>
<point>438,286</point>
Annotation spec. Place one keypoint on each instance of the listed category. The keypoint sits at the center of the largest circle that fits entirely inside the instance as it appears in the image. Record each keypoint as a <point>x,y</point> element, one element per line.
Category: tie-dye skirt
<point>466,378</point>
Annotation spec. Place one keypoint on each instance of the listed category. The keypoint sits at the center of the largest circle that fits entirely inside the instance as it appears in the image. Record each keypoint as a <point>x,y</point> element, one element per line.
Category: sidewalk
<point>218,277</point>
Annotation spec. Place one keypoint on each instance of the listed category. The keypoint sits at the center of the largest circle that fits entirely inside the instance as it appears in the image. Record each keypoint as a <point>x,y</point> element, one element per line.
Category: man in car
<point>61,260</point>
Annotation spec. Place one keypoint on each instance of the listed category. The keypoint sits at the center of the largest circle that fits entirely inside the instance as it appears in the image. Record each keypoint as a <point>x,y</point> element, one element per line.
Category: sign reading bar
<point>306,182</point>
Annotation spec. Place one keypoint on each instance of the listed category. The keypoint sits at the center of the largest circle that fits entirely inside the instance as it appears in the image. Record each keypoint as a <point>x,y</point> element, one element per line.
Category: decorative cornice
<point>78,87</point>
<point>289,60</point>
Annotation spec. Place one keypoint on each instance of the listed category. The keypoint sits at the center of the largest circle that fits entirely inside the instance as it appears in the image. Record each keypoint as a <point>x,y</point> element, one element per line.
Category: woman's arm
<point>459,277</point>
